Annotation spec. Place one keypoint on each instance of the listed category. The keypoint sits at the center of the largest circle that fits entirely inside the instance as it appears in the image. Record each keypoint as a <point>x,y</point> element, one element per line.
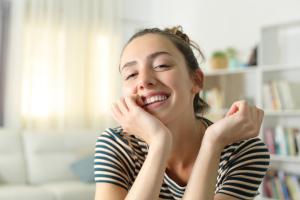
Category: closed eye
<point>130,76</point>
<point>161,67</point>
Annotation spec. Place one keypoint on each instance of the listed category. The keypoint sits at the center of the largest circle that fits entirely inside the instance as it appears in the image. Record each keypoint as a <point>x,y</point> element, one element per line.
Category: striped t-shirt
<point>119,158</point>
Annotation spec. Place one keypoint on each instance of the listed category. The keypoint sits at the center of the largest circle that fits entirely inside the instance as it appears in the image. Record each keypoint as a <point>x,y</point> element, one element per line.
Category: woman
<point>163,149</point>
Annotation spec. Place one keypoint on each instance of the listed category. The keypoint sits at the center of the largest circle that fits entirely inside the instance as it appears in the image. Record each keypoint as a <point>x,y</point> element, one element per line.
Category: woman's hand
<point>135,120</point>
<point>241,122</point>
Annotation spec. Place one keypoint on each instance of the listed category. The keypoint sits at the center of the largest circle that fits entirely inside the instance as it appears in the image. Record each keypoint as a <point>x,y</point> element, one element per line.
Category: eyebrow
<point>151,57</point>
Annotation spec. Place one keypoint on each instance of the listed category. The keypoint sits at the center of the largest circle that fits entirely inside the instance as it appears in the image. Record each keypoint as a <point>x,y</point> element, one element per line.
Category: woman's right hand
<point>136,121</point>
<point>243,121</point>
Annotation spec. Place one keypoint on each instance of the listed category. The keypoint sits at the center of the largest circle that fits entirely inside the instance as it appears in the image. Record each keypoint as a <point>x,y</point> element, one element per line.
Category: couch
<point>47,165</point>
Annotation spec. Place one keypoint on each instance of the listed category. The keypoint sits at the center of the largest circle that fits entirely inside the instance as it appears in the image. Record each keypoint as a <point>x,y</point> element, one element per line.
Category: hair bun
<point>178,31</point>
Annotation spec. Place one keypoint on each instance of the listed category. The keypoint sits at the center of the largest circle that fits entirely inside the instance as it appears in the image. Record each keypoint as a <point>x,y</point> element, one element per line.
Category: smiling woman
<point>164,148</point>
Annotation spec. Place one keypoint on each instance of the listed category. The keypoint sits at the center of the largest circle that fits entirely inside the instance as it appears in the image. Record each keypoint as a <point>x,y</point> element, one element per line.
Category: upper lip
<point>151,94</point>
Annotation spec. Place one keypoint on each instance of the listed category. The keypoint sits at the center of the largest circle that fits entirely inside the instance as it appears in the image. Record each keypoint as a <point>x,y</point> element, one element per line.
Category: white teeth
<point>155,99</point>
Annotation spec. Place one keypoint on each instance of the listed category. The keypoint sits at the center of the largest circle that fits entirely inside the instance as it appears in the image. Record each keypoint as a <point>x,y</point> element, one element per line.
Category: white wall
<point>215,24</point>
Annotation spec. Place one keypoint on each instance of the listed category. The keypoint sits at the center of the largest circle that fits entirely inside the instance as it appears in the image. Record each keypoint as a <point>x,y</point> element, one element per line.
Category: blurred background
<point>59,75</point>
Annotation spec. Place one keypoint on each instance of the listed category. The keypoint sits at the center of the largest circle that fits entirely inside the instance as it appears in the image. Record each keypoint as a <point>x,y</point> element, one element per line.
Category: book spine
<point>269,139</point>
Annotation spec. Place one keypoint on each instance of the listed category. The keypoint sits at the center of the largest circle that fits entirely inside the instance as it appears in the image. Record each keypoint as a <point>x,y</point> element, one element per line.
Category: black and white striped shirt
<point>119,158</point>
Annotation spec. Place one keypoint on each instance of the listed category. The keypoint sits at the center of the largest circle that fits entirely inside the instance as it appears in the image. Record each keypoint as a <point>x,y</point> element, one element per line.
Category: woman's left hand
<point>242,121</point>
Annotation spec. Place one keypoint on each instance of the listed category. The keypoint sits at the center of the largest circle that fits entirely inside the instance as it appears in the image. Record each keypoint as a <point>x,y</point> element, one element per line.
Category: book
<point>278,187</point>
<point>285,94</point>
<point>214,98</point>
<point>280,141</point>
<point>294,87</point>
<point>293,187</point>
<point>286,138</point>
<point>296,132</point>
<point>275,191</point>
<point>269,139</point>
<point>282,180</point>
<point>290,142</point>
<point>281,94</point>
<point>268,188</point>
<point>267,98</point>
<point>275,95</point>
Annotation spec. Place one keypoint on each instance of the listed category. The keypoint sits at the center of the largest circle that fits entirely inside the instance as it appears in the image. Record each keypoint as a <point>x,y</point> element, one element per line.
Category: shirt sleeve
<point>111,162</point>
<point>245,169</point>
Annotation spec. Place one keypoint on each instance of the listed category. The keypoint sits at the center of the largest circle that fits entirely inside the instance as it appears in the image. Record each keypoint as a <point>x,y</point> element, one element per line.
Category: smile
<point>155,99</point>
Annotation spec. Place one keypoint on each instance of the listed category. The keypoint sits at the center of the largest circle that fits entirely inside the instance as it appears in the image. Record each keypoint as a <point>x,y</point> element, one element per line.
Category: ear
<point>197,81</point>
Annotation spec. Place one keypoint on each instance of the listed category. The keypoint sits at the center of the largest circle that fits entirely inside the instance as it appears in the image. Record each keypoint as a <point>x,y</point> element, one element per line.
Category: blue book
<point>284,188</point>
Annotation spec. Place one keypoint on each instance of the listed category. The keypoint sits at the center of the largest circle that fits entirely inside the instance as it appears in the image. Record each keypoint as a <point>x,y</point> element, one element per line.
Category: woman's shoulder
<point>244,151</point>
<point>117,137</point>
<point>242,168</point>
<point>244,145</point>
<point>115,133</point>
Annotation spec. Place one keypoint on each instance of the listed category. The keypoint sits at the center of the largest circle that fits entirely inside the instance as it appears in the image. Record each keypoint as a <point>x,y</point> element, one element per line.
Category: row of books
<point>283,140</point>
<point>214,97</point>
<point>282,186</point>
<point>281,94</point>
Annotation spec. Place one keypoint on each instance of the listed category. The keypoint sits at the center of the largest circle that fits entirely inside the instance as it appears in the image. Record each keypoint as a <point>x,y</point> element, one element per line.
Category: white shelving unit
<point>279,59</point>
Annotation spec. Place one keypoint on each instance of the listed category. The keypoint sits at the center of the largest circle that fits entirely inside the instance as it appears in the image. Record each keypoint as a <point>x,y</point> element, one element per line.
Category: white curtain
<point>62,66</point>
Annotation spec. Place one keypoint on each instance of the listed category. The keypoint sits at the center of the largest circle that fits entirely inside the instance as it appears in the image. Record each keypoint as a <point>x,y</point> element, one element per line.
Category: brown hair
<point>185,46</point>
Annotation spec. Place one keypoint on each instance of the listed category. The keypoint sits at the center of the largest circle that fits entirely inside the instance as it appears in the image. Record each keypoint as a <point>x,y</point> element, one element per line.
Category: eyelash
<point>162,66</point>
<point>134,74</point>
<point>130,76</point>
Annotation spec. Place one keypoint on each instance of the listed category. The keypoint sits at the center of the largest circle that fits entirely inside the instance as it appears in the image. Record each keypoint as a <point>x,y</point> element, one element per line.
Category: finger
<point>253,113</point>
<point>237,106</point>
<point>257,115</point>
<point>233,109</point>
<point>122,106</point>
<point>243,108</point>
<point>116,113</point>
<point>260,117</point>
<point>139,101</point>
<point>131,101</point>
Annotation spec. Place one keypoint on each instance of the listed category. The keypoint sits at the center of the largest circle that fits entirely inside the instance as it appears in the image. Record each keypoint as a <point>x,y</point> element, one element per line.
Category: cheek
<point>172,82</point>
<point>128,90</point>
<point>173,79</point>
<point>180,82</point>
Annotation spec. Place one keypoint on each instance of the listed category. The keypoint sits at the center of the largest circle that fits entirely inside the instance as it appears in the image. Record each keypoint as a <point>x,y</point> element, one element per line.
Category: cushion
<point>12,161</point>
<point>50,153</point>
<point>18,192</point>
<point>84,168</point>
<point>71,190</point>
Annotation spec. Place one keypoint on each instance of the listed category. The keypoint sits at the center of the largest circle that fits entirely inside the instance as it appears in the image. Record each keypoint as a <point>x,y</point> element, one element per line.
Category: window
<point>4,27</point>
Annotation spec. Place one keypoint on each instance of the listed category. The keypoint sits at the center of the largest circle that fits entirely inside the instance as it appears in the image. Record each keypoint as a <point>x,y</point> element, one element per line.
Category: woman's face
<point>153,68</point>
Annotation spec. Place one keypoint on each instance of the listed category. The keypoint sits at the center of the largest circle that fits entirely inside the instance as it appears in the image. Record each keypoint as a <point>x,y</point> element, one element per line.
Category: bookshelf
<point>273,85</point>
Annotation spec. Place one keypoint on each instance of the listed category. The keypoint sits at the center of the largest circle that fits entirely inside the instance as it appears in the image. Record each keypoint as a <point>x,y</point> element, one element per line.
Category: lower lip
<point>156,104</point>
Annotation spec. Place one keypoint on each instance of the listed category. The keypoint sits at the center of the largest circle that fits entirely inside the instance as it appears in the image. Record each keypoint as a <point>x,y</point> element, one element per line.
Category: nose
<point>146,80</point>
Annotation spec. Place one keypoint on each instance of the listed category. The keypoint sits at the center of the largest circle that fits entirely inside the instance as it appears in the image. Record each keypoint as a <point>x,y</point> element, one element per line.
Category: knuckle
<point>120,101</point>
<point>243,102</point>
<point>243,118</point>
<point>127,98</point>
<point>262,112</point>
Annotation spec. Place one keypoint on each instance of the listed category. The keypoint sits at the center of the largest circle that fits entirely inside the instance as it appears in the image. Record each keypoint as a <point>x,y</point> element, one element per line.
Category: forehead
<point>147,44</point>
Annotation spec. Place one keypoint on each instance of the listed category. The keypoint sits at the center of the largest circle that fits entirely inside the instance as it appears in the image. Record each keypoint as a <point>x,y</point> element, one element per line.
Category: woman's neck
<point>187,137</point>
